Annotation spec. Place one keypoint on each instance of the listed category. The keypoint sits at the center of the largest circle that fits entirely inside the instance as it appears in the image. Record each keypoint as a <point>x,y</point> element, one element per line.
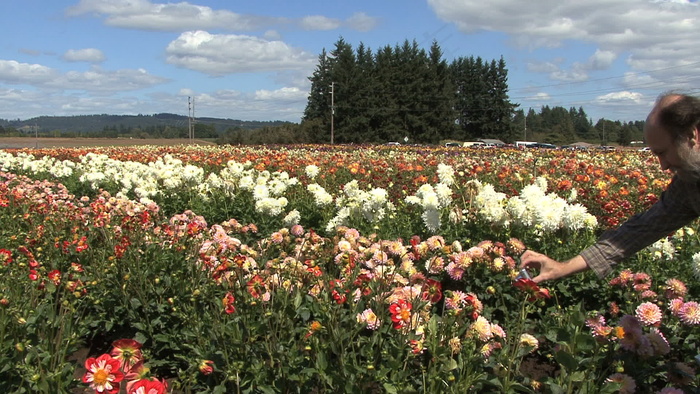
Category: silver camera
<point>523,274</point>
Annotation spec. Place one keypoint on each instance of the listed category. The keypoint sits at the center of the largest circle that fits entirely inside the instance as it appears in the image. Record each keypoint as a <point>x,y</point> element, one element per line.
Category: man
<point>673,135</point>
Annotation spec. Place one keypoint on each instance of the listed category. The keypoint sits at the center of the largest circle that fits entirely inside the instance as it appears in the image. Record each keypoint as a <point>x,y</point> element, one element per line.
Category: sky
<point>250,60</point>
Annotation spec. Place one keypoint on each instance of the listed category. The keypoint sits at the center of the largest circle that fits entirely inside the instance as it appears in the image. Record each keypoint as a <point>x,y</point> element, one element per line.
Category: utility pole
<point>525,128</point>
<point>604,141</point>
<point>332,108</point>
<point>190,117</point>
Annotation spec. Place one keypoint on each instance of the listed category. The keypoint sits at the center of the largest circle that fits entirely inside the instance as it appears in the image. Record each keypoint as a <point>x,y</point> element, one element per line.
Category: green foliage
<point>109,268</point>
<point>396,93</point>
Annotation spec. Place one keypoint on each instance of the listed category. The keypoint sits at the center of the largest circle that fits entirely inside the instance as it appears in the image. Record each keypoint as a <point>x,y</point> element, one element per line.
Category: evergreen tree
<point>318,106</point>
<point>582,124</point>
<point>346,90</point>
<point>484,109</point>
<point>439,99</point>
<point>468,79</point>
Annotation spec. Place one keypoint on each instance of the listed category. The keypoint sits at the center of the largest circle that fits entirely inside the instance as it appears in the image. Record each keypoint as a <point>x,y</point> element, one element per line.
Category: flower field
<point>324,269</point>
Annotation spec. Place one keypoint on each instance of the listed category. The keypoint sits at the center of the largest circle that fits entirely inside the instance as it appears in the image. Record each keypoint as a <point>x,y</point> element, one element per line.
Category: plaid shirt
<point>678,206</point>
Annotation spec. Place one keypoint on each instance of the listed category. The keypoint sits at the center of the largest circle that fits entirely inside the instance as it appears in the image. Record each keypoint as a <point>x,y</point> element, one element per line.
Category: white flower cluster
<point>312,171</point>
<point>662,249</point>
<point>491,204</point>
<point>321,197</point>
<point>696,265</point>
<point>27,162</point>
<point>267,188</point>
<point>446,174</point>
<point>164,177</point>
<point>355,203</point>
<point>433,199</point>
<point>532,208</point>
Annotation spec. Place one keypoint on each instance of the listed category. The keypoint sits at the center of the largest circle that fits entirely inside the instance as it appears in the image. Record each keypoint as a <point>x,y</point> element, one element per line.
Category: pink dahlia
<point>628,384</point>
<point>675,288</point>
<point>649,314</point>
<point>690,313</point>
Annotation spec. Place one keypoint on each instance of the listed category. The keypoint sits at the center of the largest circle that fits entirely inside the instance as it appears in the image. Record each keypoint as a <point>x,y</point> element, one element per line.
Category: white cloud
<point>90,55</point>
<point>283,95</point>
<point>542,67</point>
<point>286,103</point>
<point>220,54</point>
<point>14,72</point>
<point>360,21</point>
<point>541,97</point>
<point>645,30</point>
<point>144,15</point>
<point>319,22</point>
<point>95,80</point>
<point>601,60</point>
<point>621,97</point>
<point>183,16</point>
<point>576,74</point>
<point>98,80</point>
<point>112,7</point>
<point>272,35</point>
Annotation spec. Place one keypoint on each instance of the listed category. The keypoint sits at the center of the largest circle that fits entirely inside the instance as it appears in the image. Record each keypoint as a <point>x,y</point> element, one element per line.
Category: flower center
<point>100,377</point>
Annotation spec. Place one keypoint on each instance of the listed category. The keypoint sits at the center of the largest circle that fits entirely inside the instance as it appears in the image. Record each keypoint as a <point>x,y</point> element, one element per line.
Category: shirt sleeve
<point>670,213</point>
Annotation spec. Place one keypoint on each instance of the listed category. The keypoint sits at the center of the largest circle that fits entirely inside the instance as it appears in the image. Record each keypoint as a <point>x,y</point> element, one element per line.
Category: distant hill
<point>97,123</point>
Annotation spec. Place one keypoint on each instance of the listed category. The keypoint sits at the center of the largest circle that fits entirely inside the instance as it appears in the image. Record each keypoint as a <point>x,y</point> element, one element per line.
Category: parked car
<point>542,145</point>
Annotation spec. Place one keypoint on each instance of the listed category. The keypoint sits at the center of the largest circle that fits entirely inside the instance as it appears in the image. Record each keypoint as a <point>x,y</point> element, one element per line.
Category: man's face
<point>683,157</point>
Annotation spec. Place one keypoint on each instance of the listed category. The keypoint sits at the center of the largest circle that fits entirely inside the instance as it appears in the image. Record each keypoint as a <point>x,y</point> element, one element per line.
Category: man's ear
<point>694,140</point>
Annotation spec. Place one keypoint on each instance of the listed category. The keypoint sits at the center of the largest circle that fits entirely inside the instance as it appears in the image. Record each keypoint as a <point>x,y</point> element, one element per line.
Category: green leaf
<point>495,382</point>
<point>566,360</point>
<point>450,365</point>
<point>297,300</point>
<point>304,313</point>
<point>610,388</point>
<point>556,389</point>
<point>135,303</point>
<point>563,335</point>
<point>390,388</point>
<point>321,362</point>
<point>585,342</point>
<point>578,376</point>
<point>140,338</point>
<point>267,390</point>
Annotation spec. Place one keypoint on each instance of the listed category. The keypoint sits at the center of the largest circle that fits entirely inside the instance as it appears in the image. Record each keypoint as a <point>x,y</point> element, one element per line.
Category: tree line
<point>399,93</point>
<point>409,95</point>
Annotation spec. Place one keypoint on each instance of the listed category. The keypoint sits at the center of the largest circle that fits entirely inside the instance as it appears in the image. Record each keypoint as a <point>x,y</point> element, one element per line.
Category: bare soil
<point>34,143</point>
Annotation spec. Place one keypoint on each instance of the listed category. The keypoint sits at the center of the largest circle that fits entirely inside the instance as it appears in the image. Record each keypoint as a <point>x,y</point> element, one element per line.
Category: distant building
<point>492,142</point>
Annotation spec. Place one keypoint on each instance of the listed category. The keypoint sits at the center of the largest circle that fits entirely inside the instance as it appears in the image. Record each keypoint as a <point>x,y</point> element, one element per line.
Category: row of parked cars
<point>528,145</point>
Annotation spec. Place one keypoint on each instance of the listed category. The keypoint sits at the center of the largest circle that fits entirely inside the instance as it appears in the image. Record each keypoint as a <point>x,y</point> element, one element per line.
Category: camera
<point>523,274</point>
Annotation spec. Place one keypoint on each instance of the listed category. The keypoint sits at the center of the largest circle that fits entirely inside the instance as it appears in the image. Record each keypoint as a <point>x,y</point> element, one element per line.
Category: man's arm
<point>671,212</point>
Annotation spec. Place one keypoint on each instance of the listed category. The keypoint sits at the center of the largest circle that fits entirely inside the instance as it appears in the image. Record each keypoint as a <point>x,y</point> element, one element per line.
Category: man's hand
<point>550,269</point>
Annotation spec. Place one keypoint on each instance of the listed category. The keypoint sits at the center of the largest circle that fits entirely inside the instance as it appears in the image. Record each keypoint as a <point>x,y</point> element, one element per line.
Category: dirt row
<point>33,143</point>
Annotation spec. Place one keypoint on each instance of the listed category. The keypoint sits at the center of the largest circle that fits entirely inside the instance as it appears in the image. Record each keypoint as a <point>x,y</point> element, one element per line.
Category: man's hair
<point>679,114</point>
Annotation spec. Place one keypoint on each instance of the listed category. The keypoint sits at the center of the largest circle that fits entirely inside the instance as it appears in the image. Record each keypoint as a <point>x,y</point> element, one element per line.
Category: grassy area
<point>30,142</point>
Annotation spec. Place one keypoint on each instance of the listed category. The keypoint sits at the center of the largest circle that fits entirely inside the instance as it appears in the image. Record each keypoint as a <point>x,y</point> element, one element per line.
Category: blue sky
<point>250,60</point>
